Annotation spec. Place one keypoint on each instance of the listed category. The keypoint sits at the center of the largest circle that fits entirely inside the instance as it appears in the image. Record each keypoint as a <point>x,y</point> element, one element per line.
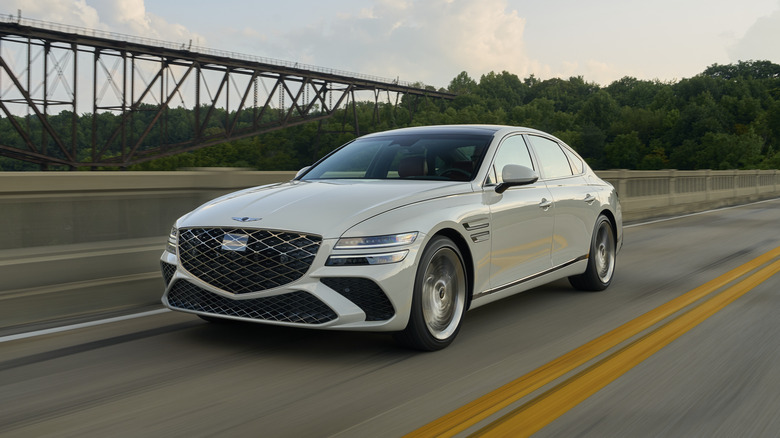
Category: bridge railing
<point>647,194</point>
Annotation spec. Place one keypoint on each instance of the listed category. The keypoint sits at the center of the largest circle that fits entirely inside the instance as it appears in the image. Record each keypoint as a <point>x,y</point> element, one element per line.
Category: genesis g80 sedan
<point>400,231</point>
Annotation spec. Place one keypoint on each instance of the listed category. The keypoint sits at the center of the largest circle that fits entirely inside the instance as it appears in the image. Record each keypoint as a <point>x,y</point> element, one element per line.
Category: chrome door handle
<point>545,204</point>
<point>589,198</point>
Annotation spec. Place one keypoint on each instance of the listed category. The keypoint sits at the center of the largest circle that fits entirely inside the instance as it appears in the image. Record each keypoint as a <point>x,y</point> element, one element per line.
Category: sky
<point>432,41</point>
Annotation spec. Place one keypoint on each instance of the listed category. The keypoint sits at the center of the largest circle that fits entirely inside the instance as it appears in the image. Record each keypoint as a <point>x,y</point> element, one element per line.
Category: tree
<point>462,84</point>
<point>624,151</point>
<point>599,110</point>
<point>503,90</point>
<point>634,93</point>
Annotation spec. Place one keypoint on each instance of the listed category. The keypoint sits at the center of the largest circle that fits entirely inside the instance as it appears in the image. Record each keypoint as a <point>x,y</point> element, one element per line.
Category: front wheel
<point>439,298</point>
<point>601,260</point>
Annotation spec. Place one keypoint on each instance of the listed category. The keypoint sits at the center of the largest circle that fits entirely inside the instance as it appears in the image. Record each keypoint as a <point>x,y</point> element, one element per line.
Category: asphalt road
<point>171,374</point>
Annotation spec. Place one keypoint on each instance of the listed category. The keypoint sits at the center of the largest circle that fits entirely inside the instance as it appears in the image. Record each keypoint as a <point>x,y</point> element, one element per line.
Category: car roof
<point>454,129</point>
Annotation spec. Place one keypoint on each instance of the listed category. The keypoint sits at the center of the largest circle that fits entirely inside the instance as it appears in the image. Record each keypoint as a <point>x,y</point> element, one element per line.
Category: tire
<point>439,298</point>
<point>601,259</point>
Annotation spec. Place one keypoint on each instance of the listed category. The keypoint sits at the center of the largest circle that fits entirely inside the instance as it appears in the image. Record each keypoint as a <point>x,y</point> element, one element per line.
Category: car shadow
<point>322,344</point>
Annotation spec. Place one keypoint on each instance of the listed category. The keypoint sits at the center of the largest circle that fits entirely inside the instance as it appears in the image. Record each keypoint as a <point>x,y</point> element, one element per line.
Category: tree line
<point>727,117</point>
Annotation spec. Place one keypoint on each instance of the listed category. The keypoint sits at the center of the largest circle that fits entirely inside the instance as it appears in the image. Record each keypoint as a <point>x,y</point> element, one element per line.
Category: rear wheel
<point>439,298</point>
<point>601,260</point>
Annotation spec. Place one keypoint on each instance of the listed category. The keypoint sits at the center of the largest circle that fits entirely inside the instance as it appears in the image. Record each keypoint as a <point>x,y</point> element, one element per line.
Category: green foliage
<point>624,151</point>
<point>727,117</point>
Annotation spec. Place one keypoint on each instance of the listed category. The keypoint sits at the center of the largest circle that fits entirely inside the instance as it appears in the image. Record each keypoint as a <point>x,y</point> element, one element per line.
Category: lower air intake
<point>296,307</point>
<point>365,294</point>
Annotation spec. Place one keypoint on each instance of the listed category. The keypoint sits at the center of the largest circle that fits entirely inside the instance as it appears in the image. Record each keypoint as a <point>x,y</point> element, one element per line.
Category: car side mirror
<point>516,175</point>
<point>302,171</point>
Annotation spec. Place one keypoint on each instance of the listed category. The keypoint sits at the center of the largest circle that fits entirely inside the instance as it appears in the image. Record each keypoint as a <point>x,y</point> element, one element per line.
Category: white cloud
<point>429,41</point>
<point>760,41</point>
<point>71,12</point>
<point>434,40</point>
<point>591,70</point>
<point>126,17</point>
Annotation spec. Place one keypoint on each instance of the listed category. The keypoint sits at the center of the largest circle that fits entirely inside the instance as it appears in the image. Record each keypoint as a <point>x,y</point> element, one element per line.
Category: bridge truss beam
<point>132,89</point>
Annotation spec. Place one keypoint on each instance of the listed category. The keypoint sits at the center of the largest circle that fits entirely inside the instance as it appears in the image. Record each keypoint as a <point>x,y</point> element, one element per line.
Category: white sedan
<point>399,231</point>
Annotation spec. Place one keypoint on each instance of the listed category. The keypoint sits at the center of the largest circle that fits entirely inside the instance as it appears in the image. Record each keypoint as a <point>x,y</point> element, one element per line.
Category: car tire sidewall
<point>416,334</point>
<point>590,280</point>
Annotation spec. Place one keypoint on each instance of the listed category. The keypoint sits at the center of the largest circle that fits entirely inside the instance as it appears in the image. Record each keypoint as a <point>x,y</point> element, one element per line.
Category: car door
<point>521,219</point>
<point>574,212</point>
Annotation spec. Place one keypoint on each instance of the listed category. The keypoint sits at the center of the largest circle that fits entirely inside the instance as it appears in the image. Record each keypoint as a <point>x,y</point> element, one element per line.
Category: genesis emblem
<point>246,219</point>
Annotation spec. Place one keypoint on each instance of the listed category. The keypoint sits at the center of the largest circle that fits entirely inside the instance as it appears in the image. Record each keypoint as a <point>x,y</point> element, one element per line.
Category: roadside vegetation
<point>727,117</point>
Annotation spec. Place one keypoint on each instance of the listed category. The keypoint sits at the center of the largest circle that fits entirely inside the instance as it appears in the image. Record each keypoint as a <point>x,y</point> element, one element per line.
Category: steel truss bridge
<point>130,87</point>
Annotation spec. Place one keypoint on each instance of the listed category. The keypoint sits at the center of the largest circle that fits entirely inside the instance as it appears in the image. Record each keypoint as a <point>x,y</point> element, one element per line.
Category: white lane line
<point>81,325</point>
<point>697,213</point>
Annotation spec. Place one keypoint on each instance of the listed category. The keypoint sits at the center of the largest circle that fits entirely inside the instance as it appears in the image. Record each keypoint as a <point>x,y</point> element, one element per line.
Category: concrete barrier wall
<point>81,245</point>
<point>77,244</point>
<point>649,194</point>
<point>62,208</point>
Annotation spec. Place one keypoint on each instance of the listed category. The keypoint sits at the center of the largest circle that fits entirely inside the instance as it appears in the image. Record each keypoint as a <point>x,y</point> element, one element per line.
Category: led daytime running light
<point>172,240</point>
<point>376,241</point>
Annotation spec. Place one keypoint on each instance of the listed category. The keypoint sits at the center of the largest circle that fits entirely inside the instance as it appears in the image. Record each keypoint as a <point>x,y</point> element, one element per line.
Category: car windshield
<point>447,157</point>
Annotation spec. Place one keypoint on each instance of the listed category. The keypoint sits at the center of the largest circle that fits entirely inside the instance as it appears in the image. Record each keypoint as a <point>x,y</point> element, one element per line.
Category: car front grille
<point>240,261</point>
<point>297,307</point>
<point>167,271</point>
<point>365,294</point>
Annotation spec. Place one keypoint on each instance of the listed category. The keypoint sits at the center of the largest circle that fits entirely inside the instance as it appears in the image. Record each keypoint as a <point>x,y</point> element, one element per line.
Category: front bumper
<point>373,297</point>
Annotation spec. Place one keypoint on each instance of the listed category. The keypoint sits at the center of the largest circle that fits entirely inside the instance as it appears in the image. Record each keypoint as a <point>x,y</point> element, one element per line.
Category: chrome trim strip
<point>477,226</point>
<point>481,237</point>
<point>529,278</point>
<point>391,257</point>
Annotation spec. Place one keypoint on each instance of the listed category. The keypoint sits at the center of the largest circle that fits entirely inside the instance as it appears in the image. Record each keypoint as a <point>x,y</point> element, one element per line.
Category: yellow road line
<point>543,410</point>
<point>478,410</point>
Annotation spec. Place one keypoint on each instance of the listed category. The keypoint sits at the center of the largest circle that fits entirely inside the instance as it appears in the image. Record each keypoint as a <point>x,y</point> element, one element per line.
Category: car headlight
<point>366,259</point>
<point>376,241</point>
<point>172,240</point>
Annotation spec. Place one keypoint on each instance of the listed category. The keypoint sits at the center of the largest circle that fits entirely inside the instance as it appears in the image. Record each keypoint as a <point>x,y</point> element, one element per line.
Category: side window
<point>552,160</point>
<point>513,150</point>
<point>575,161</point>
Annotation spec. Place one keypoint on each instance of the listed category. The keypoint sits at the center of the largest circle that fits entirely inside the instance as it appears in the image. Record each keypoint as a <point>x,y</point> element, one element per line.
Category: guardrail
<point>647,194</point>
<point>74,245</point>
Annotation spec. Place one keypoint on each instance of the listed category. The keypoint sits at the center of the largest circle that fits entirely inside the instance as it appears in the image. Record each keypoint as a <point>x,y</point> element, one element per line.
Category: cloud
<point>72,12</point>
<point>430,41</point>
<point>760,41</point>
<point>126,17</point>
<point>591,70</point>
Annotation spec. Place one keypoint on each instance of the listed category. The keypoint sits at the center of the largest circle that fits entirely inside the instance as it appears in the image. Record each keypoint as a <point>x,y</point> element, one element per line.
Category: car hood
<point>326,207</point>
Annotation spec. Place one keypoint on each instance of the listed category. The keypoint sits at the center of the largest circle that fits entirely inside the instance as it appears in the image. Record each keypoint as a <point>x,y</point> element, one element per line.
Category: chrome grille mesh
<point>167,271</point>
<point>296,307</point>
<point>266,258</point>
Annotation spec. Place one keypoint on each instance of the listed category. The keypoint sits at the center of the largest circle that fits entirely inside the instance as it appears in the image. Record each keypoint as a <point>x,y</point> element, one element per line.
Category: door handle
<point>545,204</point>
<point>589,198</point>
